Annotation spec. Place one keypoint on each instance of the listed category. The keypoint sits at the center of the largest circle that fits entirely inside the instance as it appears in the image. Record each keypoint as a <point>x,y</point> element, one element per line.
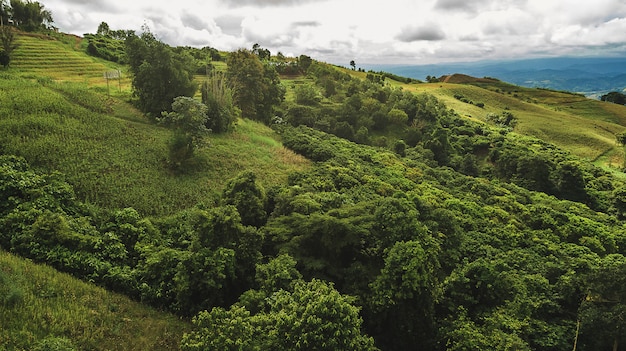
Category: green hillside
<point>461,215</point>
<point>108,150</point>
<point>40,306</point>
<point>60,57</point>
<point>582,126</point>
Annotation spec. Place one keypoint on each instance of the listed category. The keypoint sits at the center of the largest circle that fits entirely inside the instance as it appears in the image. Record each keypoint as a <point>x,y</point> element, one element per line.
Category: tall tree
<point>314,316</point>
<point>5,11</point>
<point>7,40</point>
<point>160,75</point>
<point>256,85</point>
<point>30,16</point>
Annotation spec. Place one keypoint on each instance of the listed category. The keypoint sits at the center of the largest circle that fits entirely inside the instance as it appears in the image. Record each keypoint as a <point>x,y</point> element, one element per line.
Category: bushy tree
<point>314,316</point>
<point>159,74</point>
<point>256,85</point>
<point>7,40</point>
<point>30,16</point>
<point>615,97</point>
<point>189,119</point>
<point>248,197</point>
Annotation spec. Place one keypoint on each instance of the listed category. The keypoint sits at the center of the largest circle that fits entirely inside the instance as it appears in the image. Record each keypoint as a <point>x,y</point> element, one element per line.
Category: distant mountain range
<point>590,76</point>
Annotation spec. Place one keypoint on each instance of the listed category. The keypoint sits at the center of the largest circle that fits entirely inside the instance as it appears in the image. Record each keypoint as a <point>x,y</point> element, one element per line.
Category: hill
<point>582,126</point>
<point>112,154</point>
<point>367,217</point>
<point>40,306</point>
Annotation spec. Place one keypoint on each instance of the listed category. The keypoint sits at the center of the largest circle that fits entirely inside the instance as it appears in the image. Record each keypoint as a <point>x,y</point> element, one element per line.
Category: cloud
<point>267,3</point>
<point>306,24</point>
<point>230,24</point>
<point>457,5</point>
<point>427,32</point>
<point>192,20</point>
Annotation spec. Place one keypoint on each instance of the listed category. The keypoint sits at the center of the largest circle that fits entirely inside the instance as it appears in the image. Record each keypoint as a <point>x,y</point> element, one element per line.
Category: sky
<point>367,31</point>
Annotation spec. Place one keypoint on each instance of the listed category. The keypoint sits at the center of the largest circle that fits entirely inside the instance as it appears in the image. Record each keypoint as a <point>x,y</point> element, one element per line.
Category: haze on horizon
<point>337,31</point>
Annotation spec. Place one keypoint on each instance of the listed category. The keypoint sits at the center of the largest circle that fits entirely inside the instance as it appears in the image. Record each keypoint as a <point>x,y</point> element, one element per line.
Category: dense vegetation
<point>414,228</point>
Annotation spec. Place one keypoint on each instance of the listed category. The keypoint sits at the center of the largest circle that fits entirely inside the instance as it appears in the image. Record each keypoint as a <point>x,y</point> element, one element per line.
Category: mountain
<point>587,75</point>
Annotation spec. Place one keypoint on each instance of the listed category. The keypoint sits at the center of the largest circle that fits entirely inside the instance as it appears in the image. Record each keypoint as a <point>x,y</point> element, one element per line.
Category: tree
<point>314,316</point>
<point>103,29</point>
<point>614,97</point>
<point>603,312</point>
<point>7,40</point>
<point>248,197</point>
<point>30,16</point>
<point>160,75</point>
<point>307,95</point>
<point>353,64</point>
<point>189,119</point>
<point>256,85</point>
<point>397,117</point>
<point>304,62</point>
<point>263,54</point>
<point>5,12</point>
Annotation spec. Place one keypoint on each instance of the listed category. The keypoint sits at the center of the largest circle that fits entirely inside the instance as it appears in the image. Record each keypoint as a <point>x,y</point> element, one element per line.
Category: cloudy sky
<point>367,31</point>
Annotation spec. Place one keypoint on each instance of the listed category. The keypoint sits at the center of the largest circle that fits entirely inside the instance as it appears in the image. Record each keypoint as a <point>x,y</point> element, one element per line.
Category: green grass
<point>582,126</point>
<point>44,303</point>
<point>114,157</point>
<point>112,154</point>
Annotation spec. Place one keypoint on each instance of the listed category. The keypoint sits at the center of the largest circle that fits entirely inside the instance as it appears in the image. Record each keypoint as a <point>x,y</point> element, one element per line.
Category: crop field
<point>60,60</point>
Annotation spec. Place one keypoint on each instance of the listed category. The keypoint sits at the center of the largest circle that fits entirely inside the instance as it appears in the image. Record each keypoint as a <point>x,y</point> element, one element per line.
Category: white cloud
<point>395,31</point>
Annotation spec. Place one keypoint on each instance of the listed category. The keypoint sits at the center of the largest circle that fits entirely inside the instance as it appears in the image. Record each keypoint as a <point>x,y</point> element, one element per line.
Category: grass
<point>46,303</point>
<point>582,126</point>
<point>114,157</point>
<point>112,154</point>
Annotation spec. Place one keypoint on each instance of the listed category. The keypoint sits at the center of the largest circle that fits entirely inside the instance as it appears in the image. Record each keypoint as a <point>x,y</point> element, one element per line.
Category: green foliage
<point>106,47</point>
<point>248,197</point>
<point>505,119</point>
<point>7,45</point>
<point>159,74</point>
<point>307,95</point>
<point>188,119</point>
<point>256,85</point>
<point>218,97</point>
<point>614,97</point>
<point>52,343</point>
<point>10,293</point>
<point>314,316</point>
<point>601,313</point>
<point>30,16</point>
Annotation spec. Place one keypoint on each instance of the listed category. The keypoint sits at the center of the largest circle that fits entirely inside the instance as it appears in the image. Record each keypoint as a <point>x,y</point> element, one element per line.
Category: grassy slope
<point>54,111</point>
<point>50,303</point>
<point>582,126</point>
<point>113,155</point>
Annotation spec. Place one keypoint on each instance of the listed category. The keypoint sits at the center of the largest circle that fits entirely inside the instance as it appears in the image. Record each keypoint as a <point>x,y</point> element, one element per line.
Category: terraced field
<point>60,60</point>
